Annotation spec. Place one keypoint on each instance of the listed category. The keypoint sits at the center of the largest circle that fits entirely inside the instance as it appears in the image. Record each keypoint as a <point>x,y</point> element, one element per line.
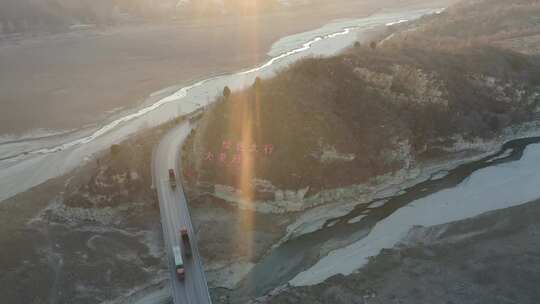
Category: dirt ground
<point>80,78</point>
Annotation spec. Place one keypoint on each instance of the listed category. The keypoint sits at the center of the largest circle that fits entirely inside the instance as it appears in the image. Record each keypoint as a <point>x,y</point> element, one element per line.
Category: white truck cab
<point>178,263</point>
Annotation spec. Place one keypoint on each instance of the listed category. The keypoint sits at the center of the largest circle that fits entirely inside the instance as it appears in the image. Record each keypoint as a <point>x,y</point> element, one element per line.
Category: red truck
<point>172,178</point>
<point>184,236</point>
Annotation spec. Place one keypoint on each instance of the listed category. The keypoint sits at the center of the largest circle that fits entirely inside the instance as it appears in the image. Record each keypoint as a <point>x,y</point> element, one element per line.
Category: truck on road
<point>172,178</point>
<point>178,263</point>
<point>184,236</point>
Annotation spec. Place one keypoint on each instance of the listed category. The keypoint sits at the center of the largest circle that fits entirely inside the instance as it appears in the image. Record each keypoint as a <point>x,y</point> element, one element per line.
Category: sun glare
<point>243,125</point>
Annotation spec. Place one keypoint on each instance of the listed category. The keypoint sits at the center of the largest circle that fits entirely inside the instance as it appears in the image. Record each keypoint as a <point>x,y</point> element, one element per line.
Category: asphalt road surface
<point>174,215</point>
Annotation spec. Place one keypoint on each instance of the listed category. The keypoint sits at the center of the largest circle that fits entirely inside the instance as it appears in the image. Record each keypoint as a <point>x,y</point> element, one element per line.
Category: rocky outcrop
<point>406,83</point>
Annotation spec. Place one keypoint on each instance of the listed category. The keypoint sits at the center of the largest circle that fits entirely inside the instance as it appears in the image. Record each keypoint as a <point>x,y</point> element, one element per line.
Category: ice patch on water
<point>504,155</point>
<point>397,22</point>
<point>356,219</point>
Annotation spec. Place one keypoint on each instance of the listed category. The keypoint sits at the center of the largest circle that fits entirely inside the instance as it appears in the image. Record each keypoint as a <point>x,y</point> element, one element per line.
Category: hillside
<point>473,24</point>
<point>340,121</point>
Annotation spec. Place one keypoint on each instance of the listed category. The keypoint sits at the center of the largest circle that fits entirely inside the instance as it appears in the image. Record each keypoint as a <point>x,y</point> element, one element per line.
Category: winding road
<point>174,215</point>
